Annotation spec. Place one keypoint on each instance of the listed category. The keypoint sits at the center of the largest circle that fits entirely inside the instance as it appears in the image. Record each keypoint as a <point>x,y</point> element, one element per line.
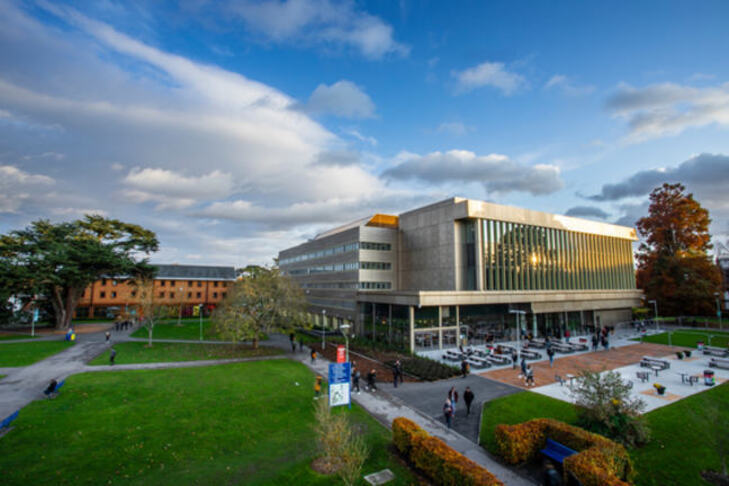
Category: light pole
<point>344,328</point>
<point>655,311</point>
<point>323,329</point>
<point>718,309</point>
<point>518,313</point>
<point>179,315</point>
<point>201,313</point>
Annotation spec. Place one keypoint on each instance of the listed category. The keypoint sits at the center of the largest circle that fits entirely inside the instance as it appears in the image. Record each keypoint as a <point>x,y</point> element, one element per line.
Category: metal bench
<point>650,362</point>
<point>528,354</point>
<point>643,376</point>
<point>555,450</point>
<point>478,362</point>
<point>719,363</point>
<point>716,351</point>
<point>499,359</point>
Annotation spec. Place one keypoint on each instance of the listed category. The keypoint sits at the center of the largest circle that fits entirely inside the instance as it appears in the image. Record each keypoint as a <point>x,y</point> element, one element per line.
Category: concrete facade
<point>446,261</point>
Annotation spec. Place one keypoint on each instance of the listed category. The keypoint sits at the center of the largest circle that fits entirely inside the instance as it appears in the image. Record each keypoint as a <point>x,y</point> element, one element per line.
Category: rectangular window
<point>103,281</point>
<point>134,293</point>
<point>369,245</point>
<point>375,265</point>
<point>199,295</point>
<point>223,294</point>
<point>189,283</point>
<point>215,295</point>
<point>113,295</point>
<point>102,294</point>
<point>161,283</point>
<point>172,295</point>
<point>172,283</point>
<point>161,295</point>
<point>215,284</point>
<point>199,284</point>
<point>189,295</point>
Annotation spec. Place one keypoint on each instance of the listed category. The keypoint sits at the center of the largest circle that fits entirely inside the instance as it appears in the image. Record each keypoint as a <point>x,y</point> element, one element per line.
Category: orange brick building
<point>186,285</point>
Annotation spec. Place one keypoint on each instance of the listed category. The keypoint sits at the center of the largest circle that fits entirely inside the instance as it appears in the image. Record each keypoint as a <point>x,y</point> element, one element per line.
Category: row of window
<point>171,283</point>
<point>341,304</point>
<point>348,285</point>
<point>375,285</point>
<point>340,267</point>
<point>337,250</point>
<point>113,295</point>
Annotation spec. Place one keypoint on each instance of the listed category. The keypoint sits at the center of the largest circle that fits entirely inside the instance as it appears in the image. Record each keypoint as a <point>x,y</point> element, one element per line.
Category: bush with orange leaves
<point>436,460</point>
<point>599,461</point>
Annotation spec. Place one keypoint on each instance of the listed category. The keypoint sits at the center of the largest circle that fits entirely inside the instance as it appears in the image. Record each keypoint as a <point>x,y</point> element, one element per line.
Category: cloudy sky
<point>236,129</point>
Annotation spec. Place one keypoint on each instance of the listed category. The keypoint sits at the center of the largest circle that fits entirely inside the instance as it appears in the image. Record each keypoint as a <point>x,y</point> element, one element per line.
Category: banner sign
<point>339,377</point>
<point>341,354</point>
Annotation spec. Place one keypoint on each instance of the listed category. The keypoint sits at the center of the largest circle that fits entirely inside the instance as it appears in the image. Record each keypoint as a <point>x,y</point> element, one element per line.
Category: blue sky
<point>235,129</point>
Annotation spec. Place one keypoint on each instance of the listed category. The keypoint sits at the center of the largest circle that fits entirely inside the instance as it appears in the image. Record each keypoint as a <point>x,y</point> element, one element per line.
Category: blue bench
<point>6,423</point>
<point>555,450</point>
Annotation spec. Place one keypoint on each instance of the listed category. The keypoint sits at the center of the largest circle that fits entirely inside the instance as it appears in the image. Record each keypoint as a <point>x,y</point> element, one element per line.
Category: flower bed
<point>599,461</point>
<point>426,369</point>
<point>433,457</point>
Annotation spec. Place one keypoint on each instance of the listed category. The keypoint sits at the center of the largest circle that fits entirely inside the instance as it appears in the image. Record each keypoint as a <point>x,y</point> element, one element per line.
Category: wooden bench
<point>719,363</point>
<point>555,450</point>
<point>500,359</point>
<point>538,343</point>
<point>531,354</point>
<point>650,362</point>
<point>716,351</point>
<point>478,362</point>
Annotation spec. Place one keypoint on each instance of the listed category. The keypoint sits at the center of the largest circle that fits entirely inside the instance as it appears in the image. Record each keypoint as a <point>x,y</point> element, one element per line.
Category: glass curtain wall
<point>526,257</point>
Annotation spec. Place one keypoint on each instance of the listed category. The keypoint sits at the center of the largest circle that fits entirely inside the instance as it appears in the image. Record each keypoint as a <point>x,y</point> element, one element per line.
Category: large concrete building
<point>469,268</point>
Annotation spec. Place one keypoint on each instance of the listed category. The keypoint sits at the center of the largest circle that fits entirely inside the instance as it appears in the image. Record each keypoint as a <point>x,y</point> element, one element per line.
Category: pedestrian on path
<point>468,398</point>
<point>529,376</point>
<point>292,338</point>
<point>355,380</point>
<point>567,335</point>
<point>107,334</point>
<point>317,387</point>
<point>397,373</point>
<point>301,344</point>
<point>514,359</point>
<point>464,368</point>
<point>453,397</point>
<point>448,412</point>
<point>112,356</point>
<point>550,353</point>
<point>594,342</point>
<point>313,356</point>
<point>523,367</point>
<point>371,379</point>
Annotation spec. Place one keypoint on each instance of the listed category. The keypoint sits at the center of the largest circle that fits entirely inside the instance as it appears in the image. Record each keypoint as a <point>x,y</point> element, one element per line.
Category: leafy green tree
<point>674,268</point>
<point>260,302</point>
<point>58,261</point>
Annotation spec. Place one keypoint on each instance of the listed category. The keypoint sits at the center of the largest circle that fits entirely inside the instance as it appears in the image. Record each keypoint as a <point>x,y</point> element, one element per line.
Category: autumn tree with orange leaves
<point>673,265</point>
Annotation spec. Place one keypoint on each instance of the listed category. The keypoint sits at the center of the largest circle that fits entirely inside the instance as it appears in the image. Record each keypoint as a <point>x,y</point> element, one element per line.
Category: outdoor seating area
<point>719,363</point>
<point>716,351</point>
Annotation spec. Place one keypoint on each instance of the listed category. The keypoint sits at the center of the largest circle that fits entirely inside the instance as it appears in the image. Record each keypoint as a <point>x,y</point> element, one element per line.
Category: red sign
<point>341,355</point>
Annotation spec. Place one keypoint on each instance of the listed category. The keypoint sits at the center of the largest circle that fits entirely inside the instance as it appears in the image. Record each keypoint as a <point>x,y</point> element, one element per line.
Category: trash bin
<point>708,377</point>
<point>700,345</point>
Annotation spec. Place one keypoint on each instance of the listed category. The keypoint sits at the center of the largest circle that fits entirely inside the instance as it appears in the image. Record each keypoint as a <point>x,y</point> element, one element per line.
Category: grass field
<point>11,337</point>
<point>688,338</point>
<point>245,423</point>
<point>683,434</point>
<point>24,354</point>
<point>189,329</point>
<point>138,352</point>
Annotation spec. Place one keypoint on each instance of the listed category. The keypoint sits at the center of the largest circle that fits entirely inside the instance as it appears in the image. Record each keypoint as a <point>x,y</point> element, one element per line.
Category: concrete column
<point>440,327</point>
<point>411,318</point>
<point>374,317</point>
<point>389,323</point>
<point>479,254</point>
<point>534,325</point>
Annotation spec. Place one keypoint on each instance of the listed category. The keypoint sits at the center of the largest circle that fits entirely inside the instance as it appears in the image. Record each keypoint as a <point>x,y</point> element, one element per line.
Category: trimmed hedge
<point>599,461</point>
<point>426,369</point>
<point>435,459</point>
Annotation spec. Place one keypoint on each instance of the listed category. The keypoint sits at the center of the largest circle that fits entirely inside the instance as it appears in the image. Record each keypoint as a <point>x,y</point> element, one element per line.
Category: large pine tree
<point>673,265</point>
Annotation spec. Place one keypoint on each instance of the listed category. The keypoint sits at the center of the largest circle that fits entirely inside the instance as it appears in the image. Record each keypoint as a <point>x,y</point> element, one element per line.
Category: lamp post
<point>518,313</point>
<point>344,328</point>
<point>323,329</point>
<point>718,309</point>
<point>655,311</point>
<point>201,313</point>
<point>179,314</point>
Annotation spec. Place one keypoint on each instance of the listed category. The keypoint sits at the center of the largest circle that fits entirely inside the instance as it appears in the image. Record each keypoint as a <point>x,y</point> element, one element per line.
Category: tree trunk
<point>150,326</point>
<point>255,342</point>
<point>59,309</point>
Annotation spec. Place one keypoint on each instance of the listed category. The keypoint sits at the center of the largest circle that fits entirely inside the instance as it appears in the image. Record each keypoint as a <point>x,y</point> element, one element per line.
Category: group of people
<point>449,407</point>
<point>601,336</point>
<point>123,325</point>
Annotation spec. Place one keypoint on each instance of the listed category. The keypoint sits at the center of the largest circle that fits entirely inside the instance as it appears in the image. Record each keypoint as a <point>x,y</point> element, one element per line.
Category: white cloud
<point>492,74</point>
<point>498,173</point>
<point>454,128</point>
<point>321,22</point>
<point>18,187</point>
<point>567,86</point>
<point>666,109</point>
<point>175,191</point>
<point>343,98</point>
<point>362,138</point>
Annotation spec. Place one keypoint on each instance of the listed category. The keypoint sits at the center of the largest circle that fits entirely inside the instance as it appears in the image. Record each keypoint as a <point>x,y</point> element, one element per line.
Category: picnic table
<point>689,378</point>
<point>656,368</point>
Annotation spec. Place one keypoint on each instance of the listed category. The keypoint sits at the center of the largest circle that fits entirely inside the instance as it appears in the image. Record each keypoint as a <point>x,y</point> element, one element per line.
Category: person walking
<point>313,356</point>
<point>371,379</point>
<point>448,412</point>
<point>529,376</point>
<point>317,387</point>
<point>397,373</point>
<point>523,367</point>
<point>107,334</point>
<point>112,356</point>
<point>453,397</point>
<point>301,344</point>
<point>514,359</point>
<point>550,353</point>
<point>567,335</point>
<point>292,338</point>
<point>355,380</point>
<point>594,342</point>
<point>468,398</point>
<point>464,368</point>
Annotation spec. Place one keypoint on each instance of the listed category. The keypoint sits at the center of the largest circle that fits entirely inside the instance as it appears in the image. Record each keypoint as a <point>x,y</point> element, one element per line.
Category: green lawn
<point>688,339</point>
<point>518,408</point>
<point>682,434</point>
<point>24,354</point>
<point>11,337</point>
<point>246,423</point>
<point>189,329</point>
<point>138,352</point>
